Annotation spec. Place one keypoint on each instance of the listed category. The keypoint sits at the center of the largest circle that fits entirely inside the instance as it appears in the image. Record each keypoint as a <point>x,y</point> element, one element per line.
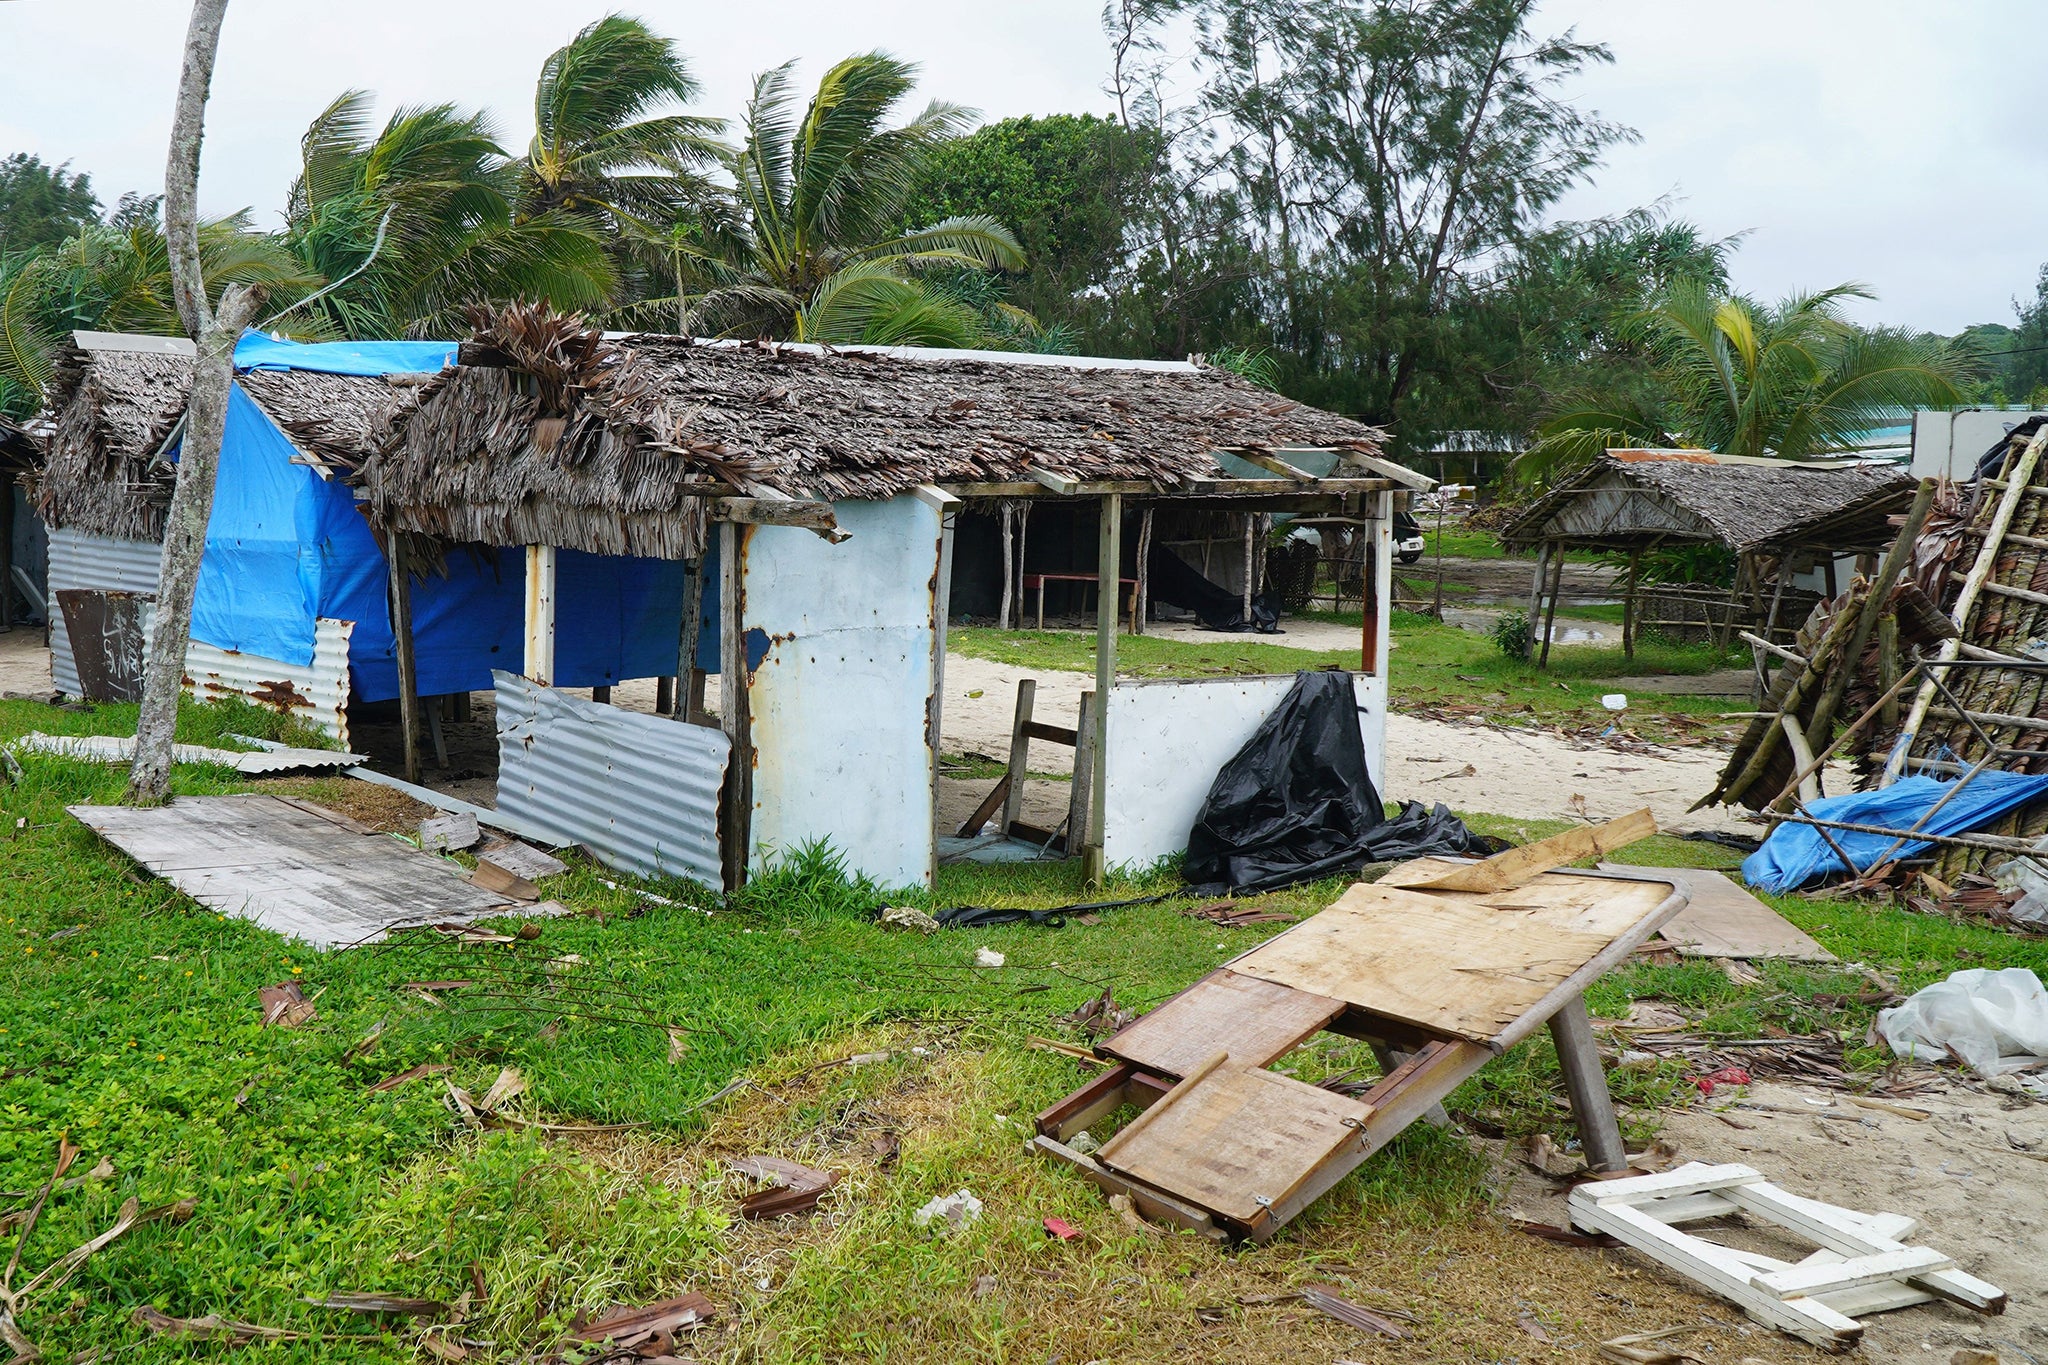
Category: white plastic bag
<point>1995,1021</point>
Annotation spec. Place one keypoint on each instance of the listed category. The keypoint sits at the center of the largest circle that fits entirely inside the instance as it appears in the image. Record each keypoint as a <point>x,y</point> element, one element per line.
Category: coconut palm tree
<point>600,146</point>
<point>118,279</point>
<point>1795,379</point>
<point>812,251</point>
<point>418,220</point>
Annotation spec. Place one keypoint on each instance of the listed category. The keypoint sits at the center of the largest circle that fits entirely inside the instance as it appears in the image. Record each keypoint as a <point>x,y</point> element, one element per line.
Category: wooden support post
<point>1628,604</point>
<point>6,549</point>
<point>1247,608</point>
<point>440,740</point>
<point>540,614</point>
<point>690,679</point>
<point>1009,515</point>
<point>1550,610</point>
<point>1020,752</point>
<point>601,695</point>
<point>1080,802</point>
<point>464,711</point>
<point>1888,669</point>
<point>1144,573</point>
<point>664,696</point>
<point>402,643</point>
<point>1109,573</point>
<point>1578,1057</point>
<point>736,818</point>
<point>1376,577</point>
<point>690,706</point>
<point>1023,544</point>
<point>1536,587</point>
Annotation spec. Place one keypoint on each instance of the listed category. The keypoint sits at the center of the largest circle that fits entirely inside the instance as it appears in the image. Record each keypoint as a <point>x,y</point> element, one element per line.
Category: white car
<point>1408,542</point>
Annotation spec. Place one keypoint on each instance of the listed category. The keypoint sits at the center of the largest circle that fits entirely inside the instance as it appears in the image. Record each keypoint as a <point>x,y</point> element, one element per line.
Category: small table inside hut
<point>1439,982</point>
<point>1039,580</point>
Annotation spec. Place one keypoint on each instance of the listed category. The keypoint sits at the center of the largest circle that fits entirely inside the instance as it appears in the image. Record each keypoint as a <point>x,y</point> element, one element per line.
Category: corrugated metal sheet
<point>81,561</point>
<point>121,749</point>
<point>639,791</point>
<point>316,693</point>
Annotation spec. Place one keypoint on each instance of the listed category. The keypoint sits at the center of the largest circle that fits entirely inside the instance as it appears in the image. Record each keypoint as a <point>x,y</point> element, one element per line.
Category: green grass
<point>129,1023</point>
<point>1432,665</point>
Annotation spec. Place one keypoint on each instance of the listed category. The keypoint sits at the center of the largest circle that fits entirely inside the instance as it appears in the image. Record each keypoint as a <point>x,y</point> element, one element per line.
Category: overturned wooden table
<point>1440,966</point>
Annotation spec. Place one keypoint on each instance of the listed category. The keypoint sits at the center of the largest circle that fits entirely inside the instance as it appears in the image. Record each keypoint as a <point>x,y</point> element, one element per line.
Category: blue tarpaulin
<point>1796,854</point>
<point>286,547</point>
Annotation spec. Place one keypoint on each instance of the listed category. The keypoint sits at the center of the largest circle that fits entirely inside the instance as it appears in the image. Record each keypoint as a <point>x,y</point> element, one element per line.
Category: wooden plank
<point>1145,1120</point>
<point>1256,1021</point>
<point>1694,1177</point>
<point>1852,1273</point>
<point>1689,1208</point>
<point>1020,751</point>
<point>1156,1205</point>
<point>1721,919</point>
<point>1100,1097</point>
<point>1056,734</point>
<point>449,833</point>
<point>1488,969</point>
<point>1719,1270</point>
<point>1856,1303</point>
<point>1063,484</point>
<point>1844,1231</point>
<point>491,877</point>
<point>1237,1140</point>
<point>1504,871</point>
<point>983,813</point>
<point>521,860</point>
<point>810,516</point>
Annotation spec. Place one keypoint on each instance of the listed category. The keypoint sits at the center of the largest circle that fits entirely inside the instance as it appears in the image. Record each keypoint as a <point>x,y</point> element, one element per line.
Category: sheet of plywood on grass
<point>1241,1140</point>
<point>1255,1021</point>
<point>1459,965</point>
<point>1723,920</point>
<point>288,869</point>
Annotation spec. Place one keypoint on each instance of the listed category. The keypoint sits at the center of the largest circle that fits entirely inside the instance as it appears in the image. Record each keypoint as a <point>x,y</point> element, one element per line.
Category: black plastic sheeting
<point>1297,804</point>
<point>1173,581</point>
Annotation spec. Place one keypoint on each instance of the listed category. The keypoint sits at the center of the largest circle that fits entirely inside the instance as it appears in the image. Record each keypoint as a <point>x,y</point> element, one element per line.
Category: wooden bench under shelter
<point>1038,581</point>
<point>1441,966</point>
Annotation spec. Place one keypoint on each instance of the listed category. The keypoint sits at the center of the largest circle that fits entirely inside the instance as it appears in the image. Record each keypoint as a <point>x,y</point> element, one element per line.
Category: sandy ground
<point>1531,777</point>
<point>24,663</point>
<point>1978,1198</point>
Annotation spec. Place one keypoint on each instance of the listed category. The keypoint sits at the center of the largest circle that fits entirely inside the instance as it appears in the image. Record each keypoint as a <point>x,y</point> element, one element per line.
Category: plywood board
<point>1255,1021</point>
<point>1723,920</point>
<point>289,870</point>
<point>1242,1140</point>
<point>1458,965</point>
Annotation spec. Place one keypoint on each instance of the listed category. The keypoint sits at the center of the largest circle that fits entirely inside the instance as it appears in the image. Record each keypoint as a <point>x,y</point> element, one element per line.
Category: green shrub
<point>1512,633</point>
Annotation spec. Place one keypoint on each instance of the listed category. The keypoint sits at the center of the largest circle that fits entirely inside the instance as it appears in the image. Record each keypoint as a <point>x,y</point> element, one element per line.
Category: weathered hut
<point>816,494</point>
<point>291,603</point>
<point>21,535</point>
<point>1785,522</point>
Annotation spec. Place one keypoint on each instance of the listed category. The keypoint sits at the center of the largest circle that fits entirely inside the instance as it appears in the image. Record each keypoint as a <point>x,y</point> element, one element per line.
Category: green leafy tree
<point>814,249</point>
<point>1794,379</point>
<point>41,205</point>
<point>602,144</point>
<point>415,221</point>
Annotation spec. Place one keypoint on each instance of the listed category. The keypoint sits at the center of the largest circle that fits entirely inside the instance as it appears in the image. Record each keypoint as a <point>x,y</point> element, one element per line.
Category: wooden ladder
<point>1008,793</point>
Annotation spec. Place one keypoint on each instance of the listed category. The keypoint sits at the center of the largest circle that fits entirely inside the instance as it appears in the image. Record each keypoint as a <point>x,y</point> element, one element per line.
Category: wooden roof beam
<point>1400,474</point>
<point>781,510</point>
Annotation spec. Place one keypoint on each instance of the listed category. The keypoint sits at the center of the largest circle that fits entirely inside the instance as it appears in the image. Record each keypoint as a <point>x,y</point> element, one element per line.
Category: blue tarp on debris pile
<point>1796,854</point>
<point>286,547</point>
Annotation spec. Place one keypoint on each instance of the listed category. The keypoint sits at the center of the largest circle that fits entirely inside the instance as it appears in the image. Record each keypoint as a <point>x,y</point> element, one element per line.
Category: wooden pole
<point>1020,756</point>
<point>1536,586</point>
<point>402,644</point>
<point>1966,599</point>
<point>1247,608</point>
<point>1009,513</point>
<point>540,614</point>
<point>1023,545</point>
<point>1550,611</point>
<point>690,631</point>
<point>1109,563</point>
<point>6,549</point>
<point>1376,577</point>
<point>1628,604</point>
<point>736,819</point>
<point>1144,612</point>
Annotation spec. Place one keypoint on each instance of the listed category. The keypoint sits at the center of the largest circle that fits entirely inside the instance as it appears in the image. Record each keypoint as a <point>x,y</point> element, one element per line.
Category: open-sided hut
<point>21,548</point>
<point>816,493</point>
<point>1781,519</point>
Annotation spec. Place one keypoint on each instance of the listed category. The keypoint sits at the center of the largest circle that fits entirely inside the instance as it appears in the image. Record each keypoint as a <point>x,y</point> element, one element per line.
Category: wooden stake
<point>402,644</point>
<point>1550,611</point>
<point>540,614</point>
<point>689,680</point>
<point>1144,612</point>
<point>1536,586</point>
<point>1009,564</point>
<point>1108,562</point>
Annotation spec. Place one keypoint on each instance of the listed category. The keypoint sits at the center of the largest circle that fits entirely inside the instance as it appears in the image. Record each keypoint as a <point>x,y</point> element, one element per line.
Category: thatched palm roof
<point>116,403</point>
<point>546,432</point>
<point>1630,498</point>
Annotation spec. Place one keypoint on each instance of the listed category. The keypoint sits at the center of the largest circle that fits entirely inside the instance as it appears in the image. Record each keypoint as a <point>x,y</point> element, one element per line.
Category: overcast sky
<point>1887,141</point>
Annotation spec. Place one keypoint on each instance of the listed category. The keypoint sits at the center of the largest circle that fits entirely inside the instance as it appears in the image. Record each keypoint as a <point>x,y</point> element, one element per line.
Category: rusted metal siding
<point>841,700</point>
<point>316,693</point>
<point>640,791</point>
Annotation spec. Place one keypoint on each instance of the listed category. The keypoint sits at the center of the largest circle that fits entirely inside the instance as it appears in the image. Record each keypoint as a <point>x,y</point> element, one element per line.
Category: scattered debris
<point>491,877</point>
<point>285,1005</point>
<point>646,1332</point>
<point>212,1327</point>
<point>1074,1050</point>
<point>1125,1210</point>
<point>787,1187</point>
<point>365,1045</point>
<point>678,1045</point>
<point>449,833</point>
<point>1631,1349</point>
<point>1727,1075</point>
<point>1230,914</point>
<point>382,1303</point>
<point>520,859</point>
<point>957,1210</point>
<point>988,957</point>
<point>1100,1015</point>
<point>909,917</point>
<point>1861,1267</point>
<point>1325,1299</point>
<point>420,1072</point>
<point>121,749</point>
<point>1993,1022</point>
<point>1061,1229</point>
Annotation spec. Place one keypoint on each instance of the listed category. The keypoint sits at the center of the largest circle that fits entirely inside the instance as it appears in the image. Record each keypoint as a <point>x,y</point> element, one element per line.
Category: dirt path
<point>1523,776</point>
<point>24,664</point>
<point>1978,1197</point>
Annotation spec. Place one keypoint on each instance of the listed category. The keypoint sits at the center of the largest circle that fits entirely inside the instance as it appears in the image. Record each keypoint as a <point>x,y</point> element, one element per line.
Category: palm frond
<point>976,238</point>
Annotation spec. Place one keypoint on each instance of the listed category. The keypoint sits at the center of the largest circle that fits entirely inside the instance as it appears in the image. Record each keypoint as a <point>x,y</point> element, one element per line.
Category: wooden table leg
<point>1041,604</point>
<point>1578,1056</point>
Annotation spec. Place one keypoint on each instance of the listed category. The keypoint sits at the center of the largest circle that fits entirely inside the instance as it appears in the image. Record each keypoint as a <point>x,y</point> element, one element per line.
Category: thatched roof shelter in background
<point>549,433</point>
<point>1627,499</point>
<point>116,403</point>
<point>20,451</point>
